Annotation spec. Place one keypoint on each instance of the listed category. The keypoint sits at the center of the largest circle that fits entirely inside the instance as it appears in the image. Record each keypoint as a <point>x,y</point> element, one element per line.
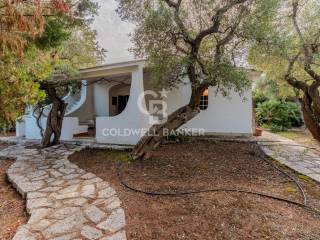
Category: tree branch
<point>216,19</point>
<point>176,6</point>
<point>291,79</point>
<point>308,55</point>
<point>295,7</point>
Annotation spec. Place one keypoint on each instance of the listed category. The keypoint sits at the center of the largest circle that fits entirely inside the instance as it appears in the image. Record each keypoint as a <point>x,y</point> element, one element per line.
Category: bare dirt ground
<point>200,165</point>
<point>12,206</point>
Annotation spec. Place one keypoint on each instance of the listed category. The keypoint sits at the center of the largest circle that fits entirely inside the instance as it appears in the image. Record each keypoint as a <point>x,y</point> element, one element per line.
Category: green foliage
<point>266,89</point>
<point>278,115</point>
<point>179,137</point>
<point>57,31</point>
<point>124,158</point>
<point>65,45</point>
<point>164,35</point>
<point>259,25</point>
<point>17,86</point>
<point>259,97</point>
<point>271,50</point>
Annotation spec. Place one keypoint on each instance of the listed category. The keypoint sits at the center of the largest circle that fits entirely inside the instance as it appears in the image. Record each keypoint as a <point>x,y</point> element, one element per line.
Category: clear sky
<point>112,32</point>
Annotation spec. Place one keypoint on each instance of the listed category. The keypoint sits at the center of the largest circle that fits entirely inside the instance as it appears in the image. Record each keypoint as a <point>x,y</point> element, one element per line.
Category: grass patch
<point>301,136</point>
<point>291,190</point>
<point>124,158</point>
<point>290,135</point>
<point>305,178</point>
<point>115,156</point>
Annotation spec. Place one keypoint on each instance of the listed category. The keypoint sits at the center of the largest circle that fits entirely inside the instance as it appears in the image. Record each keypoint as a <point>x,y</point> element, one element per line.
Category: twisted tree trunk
<point>175,120</point>
<point>310,104</point>
<point>310,109</point>
<point>52,133</point>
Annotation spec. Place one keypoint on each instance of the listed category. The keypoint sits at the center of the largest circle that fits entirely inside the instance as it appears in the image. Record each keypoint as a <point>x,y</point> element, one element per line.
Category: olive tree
<point>289,51</point>
<point>200,40</point>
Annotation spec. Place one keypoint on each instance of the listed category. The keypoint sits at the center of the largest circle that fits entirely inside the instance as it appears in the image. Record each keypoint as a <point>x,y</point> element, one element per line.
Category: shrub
<point>278,115</point>
<point>259,97</point>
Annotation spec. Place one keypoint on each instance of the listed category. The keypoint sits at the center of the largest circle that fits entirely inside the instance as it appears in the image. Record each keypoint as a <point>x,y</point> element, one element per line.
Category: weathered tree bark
<point>52,133</point>
<point>309,109</point>
<point>175,120</point>
<point>310,104</point>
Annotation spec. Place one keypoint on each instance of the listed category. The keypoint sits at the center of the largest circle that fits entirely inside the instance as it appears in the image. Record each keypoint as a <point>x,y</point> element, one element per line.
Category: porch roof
<point>114,70</point>
<point>125,68</point>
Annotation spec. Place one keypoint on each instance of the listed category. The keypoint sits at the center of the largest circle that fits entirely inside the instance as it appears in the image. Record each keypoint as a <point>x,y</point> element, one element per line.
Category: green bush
<point>278,115</point>
<point>259,97</point>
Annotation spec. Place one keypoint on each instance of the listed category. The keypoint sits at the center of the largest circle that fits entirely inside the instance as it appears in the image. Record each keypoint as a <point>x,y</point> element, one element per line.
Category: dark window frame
<point>204,103</point>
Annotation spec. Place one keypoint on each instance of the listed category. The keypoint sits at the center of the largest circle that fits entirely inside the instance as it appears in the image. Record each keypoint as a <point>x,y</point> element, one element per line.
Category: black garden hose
<point>303,205</point>
<point>305,201</point>
<point>227,190</point>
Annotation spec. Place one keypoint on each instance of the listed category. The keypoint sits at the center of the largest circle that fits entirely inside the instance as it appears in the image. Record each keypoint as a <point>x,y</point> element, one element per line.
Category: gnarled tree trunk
<point>175,120</point>
<point>52,133</point>
<point>309,109</point>
<point>310,103</point>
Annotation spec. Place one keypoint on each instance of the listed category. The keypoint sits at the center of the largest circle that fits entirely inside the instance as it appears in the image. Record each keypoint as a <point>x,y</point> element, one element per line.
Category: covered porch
<point>105,106</point>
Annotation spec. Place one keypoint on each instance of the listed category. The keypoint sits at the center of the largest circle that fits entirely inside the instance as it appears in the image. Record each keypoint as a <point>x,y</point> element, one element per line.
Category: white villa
<point>115,100</point>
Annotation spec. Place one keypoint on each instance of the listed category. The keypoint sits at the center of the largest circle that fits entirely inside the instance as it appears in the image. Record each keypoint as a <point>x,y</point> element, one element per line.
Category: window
<point>204,100</point>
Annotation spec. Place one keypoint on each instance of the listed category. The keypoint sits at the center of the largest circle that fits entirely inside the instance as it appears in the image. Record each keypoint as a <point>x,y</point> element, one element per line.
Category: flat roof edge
<point>113,65</point>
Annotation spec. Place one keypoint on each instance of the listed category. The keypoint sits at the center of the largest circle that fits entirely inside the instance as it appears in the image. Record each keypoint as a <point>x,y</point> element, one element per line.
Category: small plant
<point>306,179</point>
<point>124,158</point>
<point>291,190</point>
<point>277,128</point>
<point>179,137</point>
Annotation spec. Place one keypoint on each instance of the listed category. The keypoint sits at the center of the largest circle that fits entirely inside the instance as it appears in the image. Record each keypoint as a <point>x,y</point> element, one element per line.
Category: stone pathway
<point>300,158</point>
<point>64,201</point>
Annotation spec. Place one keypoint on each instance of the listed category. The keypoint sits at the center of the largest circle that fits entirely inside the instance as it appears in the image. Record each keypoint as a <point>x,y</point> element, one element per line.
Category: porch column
<point>137,98</point>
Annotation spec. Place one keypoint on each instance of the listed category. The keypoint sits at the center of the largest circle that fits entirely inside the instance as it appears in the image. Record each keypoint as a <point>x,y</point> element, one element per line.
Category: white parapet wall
<point>70,127</point>
<point>32,129</point>
<point>21,127</point>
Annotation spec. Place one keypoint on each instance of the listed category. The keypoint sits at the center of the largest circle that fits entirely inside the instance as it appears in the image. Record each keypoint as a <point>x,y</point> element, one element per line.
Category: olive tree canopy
<point>202,40</point>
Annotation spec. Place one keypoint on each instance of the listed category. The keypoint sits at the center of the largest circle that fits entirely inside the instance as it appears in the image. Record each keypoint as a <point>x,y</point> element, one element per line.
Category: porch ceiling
<point>121,79</point>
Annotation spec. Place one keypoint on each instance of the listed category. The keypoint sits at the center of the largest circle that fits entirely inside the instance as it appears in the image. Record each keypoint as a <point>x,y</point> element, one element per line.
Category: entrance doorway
<point>122,103</point>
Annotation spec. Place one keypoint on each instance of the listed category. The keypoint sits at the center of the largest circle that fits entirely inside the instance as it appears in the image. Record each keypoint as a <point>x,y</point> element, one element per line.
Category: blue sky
<point>112,32</point>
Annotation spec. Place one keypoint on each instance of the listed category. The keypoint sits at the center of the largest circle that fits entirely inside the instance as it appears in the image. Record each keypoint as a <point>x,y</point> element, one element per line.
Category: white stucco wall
<point>225,115</point>
<point>100,96</point>
<point>32,130</point>
<point>86,111</point>
<point>230,115</point>
<point>21,127</point>
<point>115,129</point>
<point>69,128</point>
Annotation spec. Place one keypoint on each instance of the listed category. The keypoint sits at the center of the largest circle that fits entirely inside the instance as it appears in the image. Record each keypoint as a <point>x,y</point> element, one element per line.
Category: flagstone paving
<point>64,201</point>
<point>302,159</point>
